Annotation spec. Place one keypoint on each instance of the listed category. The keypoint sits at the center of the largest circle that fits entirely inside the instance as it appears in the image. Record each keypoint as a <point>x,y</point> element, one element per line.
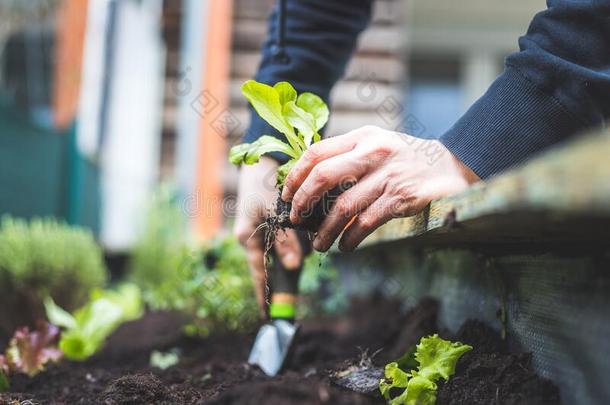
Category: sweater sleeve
<point>320,37</point>
<point>557,85</point>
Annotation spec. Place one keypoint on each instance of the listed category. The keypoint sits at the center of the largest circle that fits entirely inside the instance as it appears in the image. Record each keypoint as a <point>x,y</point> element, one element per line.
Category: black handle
<point>284,284</point>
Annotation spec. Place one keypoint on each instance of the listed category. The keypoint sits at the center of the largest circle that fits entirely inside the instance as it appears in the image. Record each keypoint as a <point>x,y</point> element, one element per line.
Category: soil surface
<point>214,371</point>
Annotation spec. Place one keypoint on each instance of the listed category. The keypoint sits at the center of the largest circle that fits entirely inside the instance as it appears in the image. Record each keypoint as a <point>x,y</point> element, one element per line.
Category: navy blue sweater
<point>557,85</point>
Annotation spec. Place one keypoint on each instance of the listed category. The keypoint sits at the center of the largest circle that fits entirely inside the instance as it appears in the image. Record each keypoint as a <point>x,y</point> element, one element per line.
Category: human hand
<point>256,196</point>
<point>394,175</point>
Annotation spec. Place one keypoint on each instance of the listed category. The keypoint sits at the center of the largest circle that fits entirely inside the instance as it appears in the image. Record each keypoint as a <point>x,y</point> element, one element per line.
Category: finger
<point>342,169</point>
<point>348,204</point>
<point>377,214</point>
<point>289,249</point>
<point>316,153</point>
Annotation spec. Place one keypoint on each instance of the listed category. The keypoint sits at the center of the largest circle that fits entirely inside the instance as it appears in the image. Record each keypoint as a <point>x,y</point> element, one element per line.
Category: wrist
<point>458,174</point>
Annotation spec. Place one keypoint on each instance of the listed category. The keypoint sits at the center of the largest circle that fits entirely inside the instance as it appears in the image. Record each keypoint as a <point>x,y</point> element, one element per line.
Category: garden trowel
<point>274,339</point>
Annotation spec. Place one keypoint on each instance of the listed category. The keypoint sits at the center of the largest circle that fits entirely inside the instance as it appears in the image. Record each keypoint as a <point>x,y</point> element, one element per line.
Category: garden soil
<point>213,370</point>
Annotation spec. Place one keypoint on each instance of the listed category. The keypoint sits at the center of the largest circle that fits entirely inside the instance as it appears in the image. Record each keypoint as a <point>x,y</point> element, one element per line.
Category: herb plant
<point>85,331</point>
<point>40,258</point>
<point>436,359</point>
<point>298,117</point>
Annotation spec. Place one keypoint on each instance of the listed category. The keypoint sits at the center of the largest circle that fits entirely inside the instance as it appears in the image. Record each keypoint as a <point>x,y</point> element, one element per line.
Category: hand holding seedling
<point>392,174</point>
<point>255,200</point>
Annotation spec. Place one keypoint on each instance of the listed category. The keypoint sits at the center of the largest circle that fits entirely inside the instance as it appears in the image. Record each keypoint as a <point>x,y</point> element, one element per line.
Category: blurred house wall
<point>455,50</point>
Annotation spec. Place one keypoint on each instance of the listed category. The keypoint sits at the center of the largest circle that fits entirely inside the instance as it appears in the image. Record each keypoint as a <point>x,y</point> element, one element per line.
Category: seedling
<point>299,118</point>
<point>86,330</point>
<point>436,359</point>
<point>29,351</point>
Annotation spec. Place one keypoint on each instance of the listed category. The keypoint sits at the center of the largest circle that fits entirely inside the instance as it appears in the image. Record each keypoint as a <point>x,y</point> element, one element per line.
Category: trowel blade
<point>272,345</point>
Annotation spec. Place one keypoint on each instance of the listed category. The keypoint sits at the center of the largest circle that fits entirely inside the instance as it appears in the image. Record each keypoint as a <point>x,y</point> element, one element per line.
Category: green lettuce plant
<point>298,117</point>
<point>85,331</point>
<point>40,258</point>
<point>435,358</point>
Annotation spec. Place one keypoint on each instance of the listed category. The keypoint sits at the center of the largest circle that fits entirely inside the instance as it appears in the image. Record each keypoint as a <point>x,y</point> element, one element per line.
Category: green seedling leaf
<point>298,117</point>
<point>435,358</point>
<point>286,92</point>
<point>420,391</point>
<point>162,360</point>
<point>407,361</point>
<point>302,120</point>
<point>57,315</point>
<point>267,103</point>
<point>315,106</point>
<point>394,378</point>
<point>250,153</point>
<point>86,330</point>
<point>283,170</point>
<point>127,296</point>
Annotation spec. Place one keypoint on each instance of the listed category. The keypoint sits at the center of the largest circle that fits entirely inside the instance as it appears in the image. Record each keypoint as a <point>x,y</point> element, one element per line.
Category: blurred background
<point>106,104</point>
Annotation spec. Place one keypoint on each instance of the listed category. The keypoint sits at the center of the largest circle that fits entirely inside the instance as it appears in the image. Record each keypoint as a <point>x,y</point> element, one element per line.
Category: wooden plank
<point>562,186</point>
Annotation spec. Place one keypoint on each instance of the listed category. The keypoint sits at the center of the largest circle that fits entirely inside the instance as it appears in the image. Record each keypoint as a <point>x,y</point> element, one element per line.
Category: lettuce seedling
<point>298,117</point>
<point>29,351</point>
<point>86,330</point>
<point>436,359</point>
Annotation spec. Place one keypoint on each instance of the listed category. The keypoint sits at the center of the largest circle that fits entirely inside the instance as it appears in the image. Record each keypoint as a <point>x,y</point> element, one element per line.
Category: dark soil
<point>213,370</point>
<point>490,374</point>
<point>313,217</point>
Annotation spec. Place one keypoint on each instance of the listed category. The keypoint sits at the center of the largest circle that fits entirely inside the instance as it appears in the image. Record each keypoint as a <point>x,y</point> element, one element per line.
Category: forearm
<point>557,85</point>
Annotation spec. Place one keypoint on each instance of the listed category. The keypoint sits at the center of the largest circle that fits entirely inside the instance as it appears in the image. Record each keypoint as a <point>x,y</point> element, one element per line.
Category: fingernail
<point>317,244</point>
<point>284,196</point>
<point>294,218</point>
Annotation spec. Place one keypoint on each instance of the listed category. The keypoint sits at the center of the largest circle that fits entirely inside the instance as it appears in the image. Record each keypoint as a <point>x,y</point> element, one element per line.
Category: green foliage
<point>436,359</point>
<point>298,118</point>
<point>4,382</point>
<point>86,330</point>
<point>45,258</point>
<point>213,294</point>
<point>163,360</point>
<point>161,247</point>
<point>320,288</point>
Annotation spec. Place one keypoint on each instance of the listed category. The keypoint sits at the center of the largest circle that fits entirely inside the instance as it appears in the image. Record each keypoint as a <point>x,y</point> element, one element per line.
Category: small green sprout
<point>436,359</point>
<point>298,117</point>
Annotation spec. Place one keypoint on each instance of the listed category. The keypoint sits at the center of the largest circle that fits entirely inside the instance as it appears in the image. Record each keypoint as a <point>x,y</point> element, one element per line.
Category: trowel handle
<point>284,284</point>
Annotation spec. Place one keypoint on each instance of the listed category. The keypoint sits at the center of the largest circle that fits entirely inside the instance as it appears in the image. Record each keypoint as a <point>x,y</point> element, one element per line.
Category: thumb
<point>289,249</point>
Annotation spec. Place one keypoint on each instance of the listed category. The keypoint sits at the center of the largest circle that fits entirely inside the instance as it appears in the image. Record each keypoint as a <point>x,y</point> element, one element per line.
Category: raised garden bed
<point>214,370</point>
